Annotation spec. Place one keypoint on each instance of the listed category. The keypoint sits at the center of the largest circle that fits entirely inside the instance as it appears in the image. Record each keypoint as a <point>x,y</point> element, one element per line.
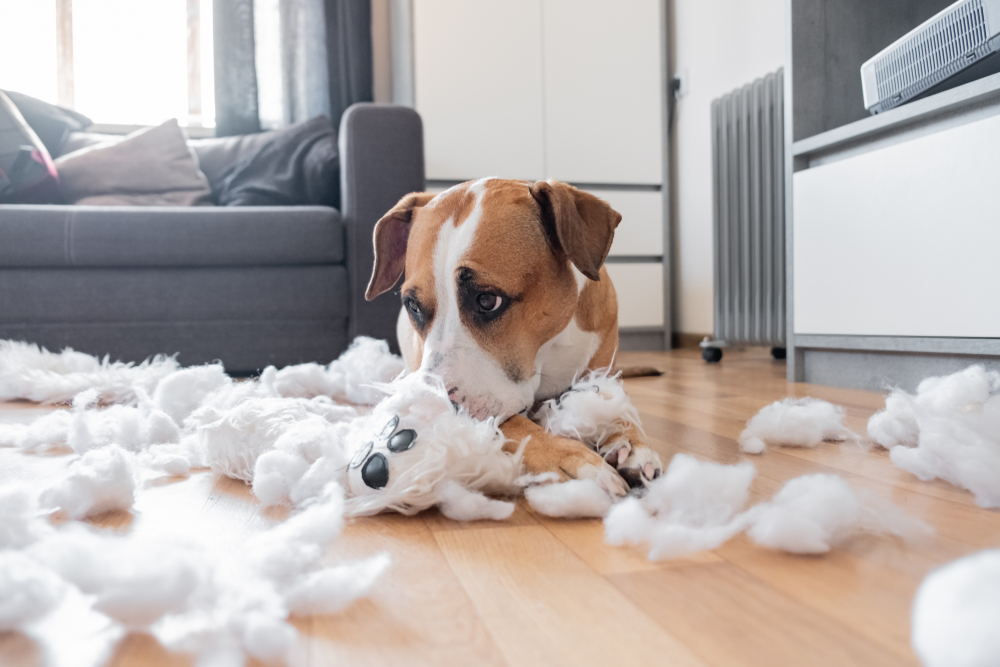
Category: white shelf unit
<point>573,90</point>
<point>894,219</point>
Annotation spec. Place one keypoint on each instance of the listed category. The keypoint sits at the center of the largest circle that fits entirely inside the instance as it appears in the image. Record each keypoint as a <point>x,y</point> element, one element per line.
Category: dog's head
<point>489,278</point>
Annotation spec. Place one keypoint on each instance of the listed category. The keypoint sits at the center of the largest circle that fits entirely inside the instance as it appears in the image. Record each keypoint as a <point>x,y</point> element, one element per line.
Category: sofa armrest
<point>381,159</point>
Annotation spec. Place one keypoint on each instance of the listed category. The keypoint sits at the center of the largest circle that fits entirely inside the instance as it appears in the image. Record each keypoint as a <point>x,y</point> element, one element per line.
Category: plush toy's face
<point>372,467</point>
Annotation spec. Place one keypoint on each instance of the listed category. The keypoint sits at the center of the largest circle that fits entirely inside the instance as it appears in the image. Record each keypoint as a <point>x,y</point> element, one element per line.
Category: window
<point>123,62</point>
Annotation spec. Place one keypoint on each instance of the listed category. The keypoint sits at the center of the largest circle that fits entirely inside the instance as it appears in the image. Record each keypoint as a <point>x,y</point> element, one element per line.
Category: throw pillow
<point>298,165</point>
<point>27,175</point>
<point>151,167</point>
<point>52,124</point>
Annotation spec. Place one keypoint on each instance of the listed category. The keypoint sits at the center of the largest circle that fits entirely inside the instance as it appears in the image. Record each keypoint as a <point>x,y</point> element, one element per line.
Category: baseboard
<point>876,371</point>
<point>639,339</point>
<point>688,340</point>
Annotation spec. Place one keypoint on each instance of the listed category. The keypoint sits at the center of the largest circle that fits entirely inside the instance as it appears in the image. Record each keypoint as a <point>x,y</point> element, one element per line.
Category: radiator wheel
<point>778,353</point>
<point>711,354</point>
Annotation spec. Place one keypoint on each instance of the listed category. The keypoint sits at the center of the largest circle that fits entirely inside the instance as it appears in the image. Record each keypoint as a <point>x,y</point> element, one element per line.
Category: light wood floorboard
<point>537,591</point>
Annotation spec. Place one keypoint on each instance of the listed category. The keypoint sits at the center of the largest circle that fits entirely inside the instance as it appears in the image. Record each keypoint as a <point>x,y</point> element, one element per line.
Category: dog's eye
<point>489,302</point>
<point>415,311</point>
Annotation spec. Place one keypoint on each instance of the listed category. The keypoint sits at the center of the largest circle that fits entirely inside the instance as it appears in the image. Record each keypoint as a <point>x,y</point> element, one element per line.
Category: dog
<point>505,296</point>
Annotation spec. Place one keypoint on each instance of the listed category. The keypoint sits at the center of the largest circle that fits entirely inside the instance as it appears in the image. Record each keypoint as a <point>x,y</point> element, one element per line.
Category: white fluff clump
<point>956,613</point>
<point>459,504</point>
<point>182,392</point>
<point>690,508</point>
<point>19,517</point>
<point>793,422</point>
<point>575,499</point>
<point>48,431</point>
<point>697,506</point>
<point>28,590</point>
<point>135,581</point>
<point>449,445</point>
<point>33,373</point>
<point>365,363</point>
<point>234,439</point>
<point>949,430</point>
<point>194,596</point>
<point>815,512</point>
<point>594,410</point>
<point>101,480</point>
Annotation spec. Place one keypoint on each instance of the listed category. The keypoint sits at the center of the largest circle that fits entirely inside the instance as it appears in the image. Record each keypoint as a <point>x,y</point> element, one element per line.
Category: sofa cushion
<point>52,124</point>
<point>218,155</point>
<point>150,167</point>
<point>164,294</point>
<point>297,165</point>
<point>68,236</point>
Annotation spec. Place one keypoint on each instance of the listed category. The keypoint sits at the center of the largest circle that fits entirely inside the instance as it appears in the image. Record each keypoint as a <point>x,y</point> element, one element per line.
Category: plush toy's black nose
<point>376,472</point>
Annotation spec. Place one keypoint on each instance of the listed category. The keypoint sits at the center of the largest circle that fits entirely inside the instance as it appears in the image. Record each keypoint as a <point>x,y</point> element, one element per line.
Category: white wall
<point>719,45</point>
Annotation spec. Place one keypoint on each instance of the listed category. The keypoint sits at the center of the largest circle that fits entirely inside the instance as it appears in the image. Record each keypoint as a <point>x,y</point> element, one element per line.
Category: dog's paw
<point>640,467</point>
<point>605,476</point>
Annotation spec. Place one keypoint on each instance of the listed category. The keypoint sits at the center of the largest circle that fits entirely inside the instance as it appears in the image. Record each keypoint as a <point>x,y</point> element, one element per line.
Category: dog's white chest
<point>561,359</point>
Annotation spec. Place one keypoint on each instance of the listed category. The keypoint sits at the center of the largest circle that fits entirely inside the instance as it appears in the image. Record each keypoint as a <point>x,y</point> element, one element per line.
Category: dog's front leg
<point>566,458</point>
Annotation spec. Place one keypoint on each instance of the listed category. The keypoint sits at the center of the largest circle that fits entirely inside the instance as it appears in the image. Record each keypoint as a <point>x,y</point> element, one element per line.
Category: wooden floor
<point>535,591</point>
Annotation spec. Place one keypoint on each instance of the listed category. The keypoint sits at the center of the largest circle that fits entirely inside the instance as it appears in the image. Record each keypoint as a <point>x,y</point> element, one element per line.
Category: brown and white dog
<point>506,298</point>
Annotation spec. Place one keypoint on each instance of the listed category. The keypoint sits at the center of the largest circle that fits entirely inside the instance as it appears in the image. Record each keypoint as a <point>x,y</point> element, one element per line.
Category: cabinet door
<point>478,87</point>
<point>603,90</point>
<point>641,229</point>
<point>902,240</point>
<point>640,294</point>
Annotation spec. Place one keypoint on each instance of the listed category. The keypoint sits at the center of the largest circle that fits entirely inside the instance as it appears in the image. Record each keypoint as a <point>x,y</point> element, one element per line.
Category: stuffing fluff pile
<point>950,429</point>
<point>696,506</point>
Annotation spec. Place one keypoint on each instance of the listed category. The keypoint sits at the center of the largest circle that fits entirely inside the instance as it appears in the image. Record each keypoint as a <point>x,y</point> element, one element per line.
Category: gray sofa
<point>250,286</point>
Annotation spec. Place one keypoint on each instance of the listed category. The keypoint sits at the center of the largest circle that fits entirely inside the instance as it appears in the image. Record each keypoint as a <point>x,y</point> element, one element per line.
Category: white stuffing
<point>574,499</point>
<point>950,429</point>
<point>333,589</point>
<point>692,507</point>
<point>212,600</point>
<point>794,422</point>
<point>181,392</point>
<point>33,373</point>
<point>101,480</point>
<point>458,503</point>
<point>19,522</point>
<point>815,512</point>
<point>594,410</point>
<point>956,613</point>
<point>696,506</point>
<point>135,581</point>
<point>28,590</point>
<point>367,362</point>
<point>46,432</point>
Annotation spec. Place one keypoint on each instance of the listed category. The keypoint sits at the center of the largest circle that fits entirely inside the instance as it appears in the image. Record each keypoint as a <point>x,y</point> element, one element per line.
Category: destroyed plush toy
<point>285,434</point>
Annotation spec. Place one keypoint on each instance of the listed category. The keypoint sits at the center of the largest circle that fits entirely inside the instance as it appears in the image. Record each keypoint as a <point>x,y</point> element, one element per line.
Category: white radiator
<point>748,161</point>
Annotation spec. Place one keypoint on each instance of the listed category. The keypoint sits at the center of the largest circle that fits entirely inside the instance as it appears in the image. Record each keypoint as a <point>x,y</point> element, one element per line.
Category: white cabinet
<point>603,73</point>
<point>640,293</point>
<point>478,87</point>
<point>641,229</point>
<point>564,89</point>
<point>902,240</point>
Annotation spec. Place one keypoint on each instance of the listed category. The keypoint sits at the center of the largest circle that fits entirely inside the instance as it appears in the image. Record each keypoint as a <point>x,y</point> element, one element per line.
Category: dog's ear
<point>577,223</point>
<point>392,232</point>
